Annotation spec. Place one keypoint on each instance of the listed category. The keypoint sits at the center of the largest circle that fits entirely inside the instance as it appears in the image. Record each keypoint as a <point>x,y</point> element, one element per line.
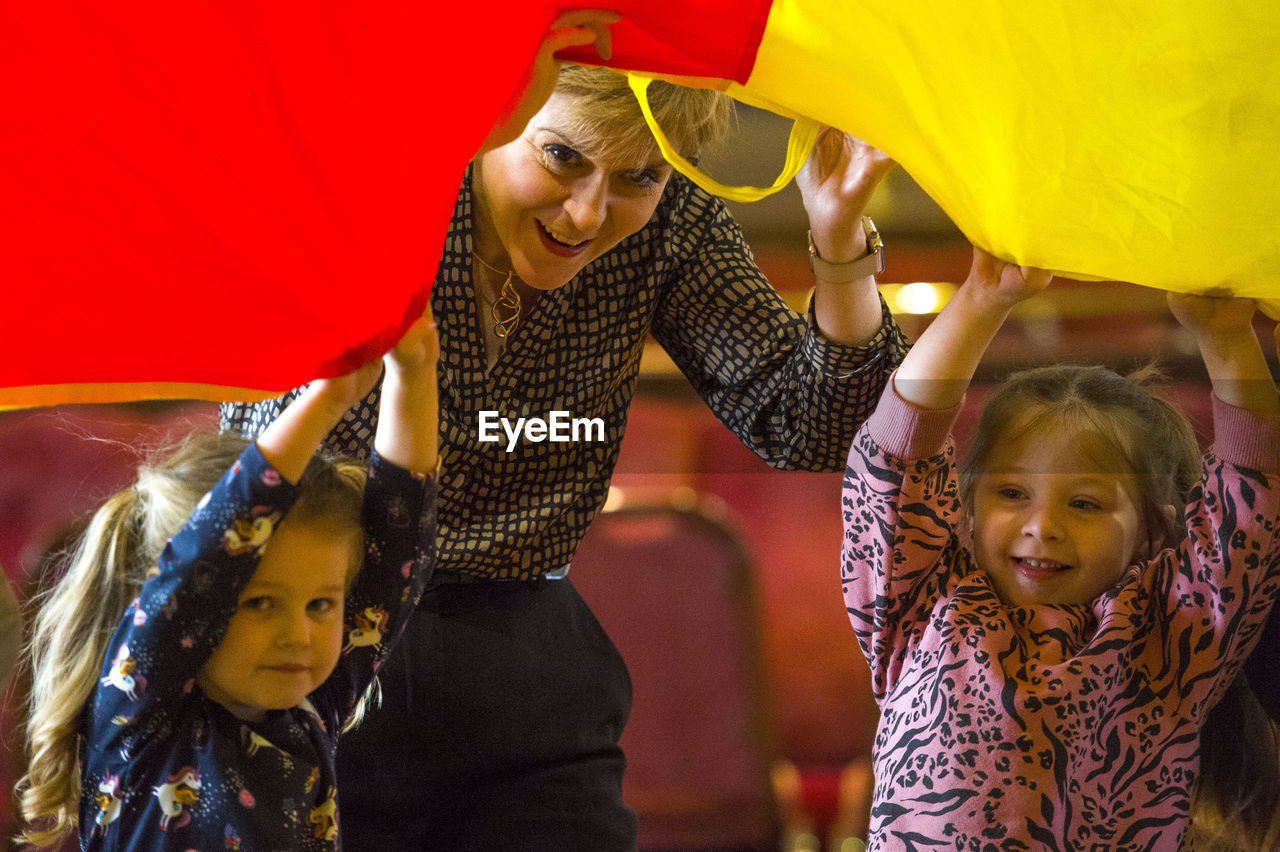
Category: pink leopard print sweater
<point>1054,726</point>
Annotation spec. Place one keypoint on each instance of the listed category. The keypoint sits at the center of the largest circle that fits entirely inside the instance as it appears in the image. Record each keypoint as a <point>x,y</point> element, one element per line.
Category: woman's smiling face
<point>546,207</point>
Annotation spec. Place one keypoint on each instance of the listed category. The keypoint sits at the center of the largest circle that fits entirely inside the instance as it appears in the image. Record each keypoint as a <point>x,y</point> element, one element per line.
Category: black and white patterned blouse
<point>687,277</point>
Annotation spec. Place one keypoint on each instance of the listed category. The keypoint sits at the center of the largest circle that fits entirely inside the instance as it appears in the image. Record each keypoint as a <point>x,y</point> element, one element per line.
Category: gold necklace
<point>505,311</point>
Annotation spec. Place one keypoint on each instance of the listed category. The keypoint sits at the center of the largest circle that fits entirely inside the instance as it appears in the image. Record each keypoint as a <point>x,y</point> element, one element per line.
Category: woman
<point>568,246</point>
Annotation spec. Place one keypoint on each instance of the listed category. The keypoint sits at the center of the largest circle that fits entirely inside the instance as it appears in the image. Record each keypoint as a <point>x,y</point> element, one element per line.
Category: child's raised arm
<point>292,438</point>
<point>1223,329</point>
<point>399,516</point>
<point>937,371</point>
<point>408,429</point>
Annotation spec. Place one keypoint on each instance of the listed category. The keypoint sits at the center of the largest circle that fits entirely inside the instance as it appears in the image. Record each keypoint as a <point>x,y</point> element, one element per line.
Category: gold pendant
<point>506,310</point>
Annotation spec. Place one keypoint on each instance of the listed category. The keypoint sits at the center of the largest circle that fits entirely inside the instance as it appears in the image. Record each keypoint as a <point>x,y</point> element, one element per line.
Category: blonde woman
<point>569,246</point>
<point>189,676</point>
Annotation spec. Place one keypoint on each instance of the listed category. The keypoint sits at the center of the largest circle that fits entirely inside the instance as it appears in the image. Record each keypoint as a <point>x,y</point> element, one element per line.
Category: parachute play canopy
<point>223,200</point>
<point>1101,140</point>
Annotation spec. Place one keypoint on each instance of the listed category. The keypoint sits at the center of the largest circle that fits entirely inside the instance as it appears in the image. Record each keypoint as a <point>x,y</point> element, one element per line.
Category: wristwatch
<point>842,273</point>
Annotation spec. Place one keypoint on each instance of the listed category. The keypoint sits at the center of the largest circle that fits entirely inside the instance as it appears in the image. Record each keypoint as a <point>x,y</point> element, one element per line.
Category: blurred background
<point>717,576</point>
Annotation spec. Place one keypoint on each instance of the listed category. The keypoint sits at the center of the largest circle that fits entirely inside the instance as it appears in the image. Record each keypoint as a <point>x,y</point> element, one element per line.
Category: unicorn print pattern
<point>107,802</point>
<point>168,768</point>
<point>370,625</point>
<point>180,791</point>
<point>121,674</point>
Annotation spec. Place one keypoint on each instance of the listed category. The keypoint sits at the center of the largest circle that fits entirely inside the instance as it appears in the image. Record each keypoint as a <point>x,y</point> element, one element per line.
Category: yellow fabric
<point>1121,141</point>
<point>804,133</point>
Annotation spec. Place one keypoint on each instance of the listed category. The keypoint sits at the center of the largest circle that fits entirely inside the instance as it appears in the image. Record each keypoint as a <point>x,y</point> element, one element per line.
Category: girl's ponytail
<point>73,622</point>
<point>1236,802</point>
<point>77,614</point>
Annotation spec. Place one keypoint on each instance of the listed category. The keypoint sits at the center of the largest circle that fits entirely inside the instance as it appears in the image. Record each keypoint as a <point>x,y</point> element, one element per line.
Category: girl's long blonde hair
<point>76,615</point>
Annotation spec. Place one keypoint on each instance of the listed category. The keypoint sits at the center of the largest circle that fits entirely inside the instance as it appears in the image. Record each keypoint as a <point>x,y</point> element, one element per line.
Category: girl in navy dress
<point>220,621</point>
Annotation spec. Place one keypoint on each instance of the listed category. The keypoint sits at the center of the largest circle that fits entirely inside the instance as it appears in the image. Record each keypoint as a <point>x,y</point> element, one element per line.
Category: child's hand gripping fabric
<point>292,439</point>
<point>1223,329</point>
<point>937,371</point>
<point>407,433</point>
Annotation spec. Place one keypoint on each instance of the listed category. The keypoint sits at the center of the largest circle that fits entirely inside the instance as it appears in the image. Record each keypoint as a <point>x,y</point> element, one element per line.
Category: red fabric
<point>228,194</point>
<point>697,38</point>
<point>232,193</point>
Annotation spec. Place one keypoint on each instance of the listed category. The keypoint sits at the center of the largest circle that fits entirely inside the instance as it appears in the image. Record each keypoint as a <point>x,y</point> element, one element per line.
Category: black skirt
<point>498,729</point>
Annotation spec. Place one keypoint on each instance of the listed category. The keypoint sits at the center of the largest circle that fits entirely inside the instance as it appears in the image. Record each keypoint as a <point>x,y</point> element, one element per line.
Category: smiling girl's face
<point>547,205</point>
<point>1056,519</point>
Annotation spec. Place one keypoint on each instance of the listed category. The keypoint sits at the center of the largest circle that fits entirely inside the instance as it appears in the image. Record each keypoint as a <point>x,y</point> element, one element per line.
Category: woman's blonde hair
<point>605,116</point>
<point>77,614</point>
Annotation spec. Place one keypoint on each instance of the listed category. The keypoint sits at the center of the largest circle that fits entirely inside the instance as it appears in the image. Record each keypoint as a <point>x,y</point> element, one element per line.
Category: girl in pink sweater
<point>1047,628</point>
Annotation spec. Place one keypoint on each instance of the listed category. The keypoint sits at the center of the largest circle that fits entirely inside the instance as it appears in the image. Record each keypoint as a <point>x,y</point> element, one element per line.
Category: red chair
<point>672,584</point>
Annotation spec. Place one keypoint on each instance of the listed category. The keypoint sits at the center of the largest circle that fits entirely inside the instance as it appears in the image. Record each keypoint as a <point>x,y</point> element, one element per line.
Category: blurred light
<point>919,297</point>
<point>616,499</point>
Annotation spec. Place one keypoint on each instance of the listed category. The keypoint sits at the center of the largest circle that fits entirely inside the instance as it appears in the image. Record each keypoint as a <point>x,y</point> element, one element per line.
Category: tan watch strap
<point>872,263</point>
